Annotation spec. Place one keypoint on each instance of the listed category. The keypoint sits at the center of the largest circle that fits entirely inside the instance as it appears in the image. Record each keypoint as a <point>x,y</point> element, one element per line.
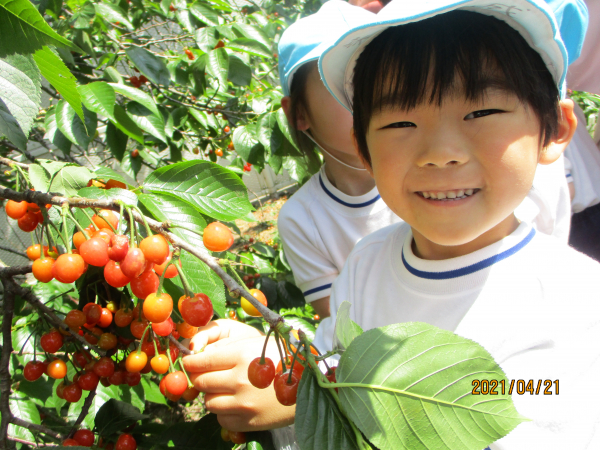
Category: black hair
<point>298,103</point>
<point>460,51</point>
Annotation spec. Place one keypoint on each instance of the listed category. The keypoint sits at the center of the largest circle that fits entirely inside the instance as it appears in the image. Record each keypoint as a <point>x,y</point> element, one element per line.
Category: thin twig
<point>181,348</point>
<point>10,162</point>
<point>10,250</point>
<point>34,427</point>
<point>7,348</point>
<point>84,412</point>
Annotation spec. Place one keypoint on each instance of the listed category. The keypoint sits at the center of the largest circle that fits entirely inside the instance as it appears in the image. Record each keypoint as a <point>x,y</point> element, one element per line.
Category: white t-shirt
<point>530,300</point>
<point>320,225</point>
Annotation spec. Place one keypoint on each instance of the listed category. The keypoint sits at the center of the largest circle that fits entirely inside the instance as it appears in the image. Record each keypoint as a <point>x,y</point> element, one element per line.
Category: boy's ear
<point>359,154</point>
<point>302,123</point>
<point>567,123</point>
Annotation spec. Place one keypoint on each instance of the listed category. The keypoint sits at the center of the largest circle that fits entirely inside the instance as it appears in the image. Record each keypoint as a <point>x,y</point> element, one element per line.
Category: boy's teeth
<point>460,193</point>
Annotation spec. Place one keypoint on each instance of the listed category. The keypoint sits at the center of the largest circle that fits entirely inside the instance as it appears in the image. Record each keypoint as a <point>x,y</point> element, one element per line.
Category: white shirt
<point>528,299</point>
<point>320,225</point>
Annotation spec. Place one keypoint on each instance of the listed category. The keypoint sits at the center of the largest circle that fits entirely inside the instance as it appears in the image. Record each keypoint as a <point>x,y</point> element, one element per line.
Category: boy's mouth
<point>457,194</point>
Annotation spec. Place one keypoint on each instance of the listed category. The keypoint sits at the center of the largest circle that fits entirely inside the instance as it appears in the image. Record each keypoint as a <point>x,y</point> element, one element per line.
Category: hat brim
<point>531,18</point>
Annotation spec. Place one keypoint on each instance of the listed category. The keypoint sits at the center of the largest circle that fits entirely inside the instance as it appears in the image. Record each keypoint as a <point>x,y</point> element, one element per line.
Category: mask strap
<point>330,155</point>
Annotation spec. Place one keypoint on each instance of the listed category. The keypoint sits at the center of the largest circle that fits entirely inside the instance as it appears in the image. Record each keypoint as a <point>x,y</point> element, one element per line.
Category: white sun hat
<point>305,40</point>
<point>533,19</point>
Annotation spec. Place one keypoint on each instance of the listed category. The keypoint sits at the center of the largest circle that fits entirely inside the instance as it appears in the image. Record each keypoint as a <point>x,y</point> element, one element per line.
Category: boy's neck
<point>349,181</point>
<point>425,249</point>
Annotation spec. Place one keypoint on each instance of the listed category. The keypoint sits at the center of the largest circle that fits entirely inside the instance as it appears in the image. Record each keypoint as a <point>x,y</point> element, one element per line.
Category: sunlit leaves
<point>150,65</point>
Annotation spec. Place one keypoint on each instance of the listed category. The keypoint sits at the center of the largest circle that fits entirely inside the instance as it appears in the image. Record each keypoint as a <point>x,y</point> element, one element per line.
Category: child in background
<point>455,104</point>
<point>338,206</point>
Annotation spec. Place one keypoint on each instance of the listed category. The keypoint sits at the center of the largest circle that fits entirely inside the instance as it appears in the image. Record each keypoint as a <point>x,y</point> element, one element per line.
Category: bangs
<point>457,53</point>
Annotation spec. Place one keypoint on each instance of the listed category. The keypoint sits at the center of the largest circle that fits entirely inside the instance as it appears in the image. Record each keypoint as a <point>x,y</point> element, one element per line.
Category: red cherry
<point>94,251</point>
<point>155,248</point>
<point>286,392</point>
<point>106,318</point>
<point>134,263</point>
<point>68,268</point>
<point>261,375</point>
<point>123,317</point>
<point>93,313</point>
<point>34,370</point>
<point>164,328</point>
<point>196,311</point>
<point>105,234</point>
<point>57,369</point>
<point>158,307</point>
<point>176,383</point>
<point>88,381</point>
<point>133,378</point>
<point>145,284</point>
<point>217,237</point>
<point>75,319</point>
<point>114,275</point>
<point>82,357</point>
<point>126,441</point>
<point>104,367</point>
<point>119,246</point>
<point>171,270</point>
<point>117,378</point>
<point>70,443</point>
<point>84,437</point>
<point>52,341</point>
<point>28,222</point>
<point>16,210</point>
<point>72,393</point>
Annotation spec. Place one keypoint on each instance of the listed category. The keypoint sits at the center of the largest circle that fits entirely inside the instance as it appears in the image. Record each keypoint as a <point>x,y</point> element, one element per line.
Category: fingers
<point>212,360</point>
<point>217,382</point>
<point>208,334</point>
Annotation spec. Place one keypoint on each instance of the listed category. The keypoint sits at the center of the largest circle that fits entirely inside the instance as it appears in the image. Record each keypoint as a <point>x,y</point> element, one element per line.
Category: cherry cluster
<point>247,167</point>
<point>137,82</point>
<point>27,215</point>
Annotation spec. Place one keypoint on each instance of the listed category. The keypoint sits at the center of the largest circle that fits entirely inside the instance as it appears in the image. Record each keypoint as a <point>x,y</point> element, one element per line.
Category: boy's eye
<point>482,113</point>
<point>400,125</point>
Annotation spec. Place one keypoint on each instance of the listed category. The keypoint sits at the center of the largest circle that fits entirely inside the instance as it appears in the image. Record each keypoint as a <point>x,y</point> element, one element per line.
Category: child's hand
<point>221,371</point>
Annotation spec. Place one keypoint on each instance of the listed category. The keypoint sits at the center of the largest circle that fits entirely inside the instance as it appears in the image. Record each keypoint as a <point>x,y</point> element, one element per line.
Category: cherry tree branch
<point>7,315</point>
<point>203,255</point>
<point>84,412</point>
<point>181,348</point>
<point>34,427</point>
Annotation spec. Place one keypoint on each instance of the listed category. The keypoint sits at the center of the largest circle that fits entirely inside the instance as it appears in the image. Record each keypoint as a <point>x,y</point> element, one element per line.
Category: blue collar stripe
<point>342,202</point>
<point>472,268</point>
<point>317,289</point>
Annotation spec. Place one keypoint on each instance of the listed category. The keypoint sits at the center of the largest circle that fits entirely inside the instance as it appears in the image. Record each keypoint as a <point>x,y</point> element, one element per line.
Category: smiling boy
<point>455,104</point>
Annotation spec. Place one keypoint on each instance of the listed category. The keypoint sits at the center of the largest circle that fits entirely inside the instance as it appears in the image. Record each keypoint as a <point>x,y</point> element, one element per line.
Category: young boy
<point>455,104</point>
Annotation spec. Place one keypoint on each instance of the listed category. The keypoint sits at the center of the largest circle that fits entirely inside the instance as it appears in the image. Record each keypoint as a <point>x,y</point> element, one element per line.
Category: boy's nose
<point>442,151</point>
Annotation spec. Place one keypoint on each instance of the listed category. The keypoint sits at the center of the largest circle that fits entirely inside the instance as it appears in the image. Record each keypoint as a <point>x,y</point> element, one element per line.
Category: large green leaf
<point>240,73</point>
<point>126,125</point>
<point>204,434</point>
<point>114,416</point>
<point>137,95</point>
<point>127,197</point>
<point>10,128</point>
<point>250,46</point>
<point>245,141</point>
<point>70,179</point>
<point>152,392</point>
<point>203,279</point>
<point>24,409</point>
<point>206,38</point>
<point>99,97</point>
<point>205,14</point>
<point>411,388</point>
<point>71,125</point>
<point>218,66</point>
<point>146,120</point>
<point>150,65</point>
<point>216,191</point>
<point>20,90</point>
<point>319,422</point>
<point>252,32</point>
<point>116,141</point>
<point>168,207</point>
<point>345,328</point>
<point>112,13</point>
<point>53,134</point>
<point>58,75</point>
<point>23,30</point>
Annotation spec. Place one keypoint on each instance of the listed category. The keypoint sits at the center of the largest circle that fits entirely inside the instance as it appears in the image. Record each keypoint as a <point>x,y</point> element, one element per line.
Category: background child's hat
<point>306,39</point>
<point>533,19</point>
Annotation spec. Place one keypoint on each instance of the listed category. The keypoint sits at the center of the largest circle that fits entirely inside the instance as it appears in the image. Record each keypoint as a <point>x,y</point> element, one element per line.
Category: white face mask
<point>330,155</point>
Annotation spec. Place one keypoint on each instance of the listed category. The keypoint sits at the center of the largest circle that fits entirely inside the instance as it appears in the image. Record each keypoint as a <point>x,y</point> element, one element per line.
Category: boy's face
<point>456,172</point>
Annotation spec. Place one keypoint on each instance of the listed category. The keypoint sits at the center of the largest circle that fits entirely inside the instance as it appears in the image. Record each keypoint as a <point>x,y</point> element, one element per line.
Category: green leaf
<point>24,409</point>
<point>345,328</point>
<point>152,392</point>
<point>10,128</point>
<point>218,66</point>
<point>244,140</point>
<point>127,126</point>
<point>168,207</point>
<point>114,416</point>
<point>23,30</point>
<point>204,14</point>
<point>266,132</point>
<point>204,434</point>
<point>412,389</point>
<point>54,135</point>
<point>216,191</point>
<point>116,141</point>
<point>147,121</point>
<point>137,95</point>
<point>112,13</point>
<point>289,294</point>
<point>252,32</point>
<point>106,173</point>
<point>113,75</point>
<point>59,76</point>
<point>298,323</point>
<point>240,73</point>
<point>20,91</point>
<point>103,395</point>
<point>319,422</point>
<point>203,279</point>
<point>150,65</point>
<point>127,197</point>
<point>100,98</point>
<point>284,126</point>
<point>251,46</point>
<point>70,179</point>
<point>130,165</point>
<point>206,38</point>
<point>71,125</point>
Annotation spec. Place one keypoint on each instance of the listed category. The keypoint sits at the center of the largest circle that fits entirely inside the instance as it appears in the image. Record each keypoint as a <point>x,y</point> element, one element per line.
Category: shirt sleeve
<point>314,272</point>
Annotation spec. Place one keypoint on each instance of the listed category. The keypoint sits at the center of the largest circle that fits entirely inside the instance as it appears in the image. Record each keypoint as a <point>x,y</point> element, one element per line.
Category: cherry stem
<point>277,337</point>
<point>90,219</point>
<point>184,281</point>
<point>120,218</point>
<point>262,356</point>
<point>143,337</point>
<point>162,275</point>
<point>107,222</point>
<point>131,228</point>
<point>233,271</point>
<point>64,211</point>
<point>148,230</point>
<point>171,365</point>
<point>48,235</point>
<point>179,361</point>
<point>78,225</point>
<point>156,353</point>
<point>289,380</point>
